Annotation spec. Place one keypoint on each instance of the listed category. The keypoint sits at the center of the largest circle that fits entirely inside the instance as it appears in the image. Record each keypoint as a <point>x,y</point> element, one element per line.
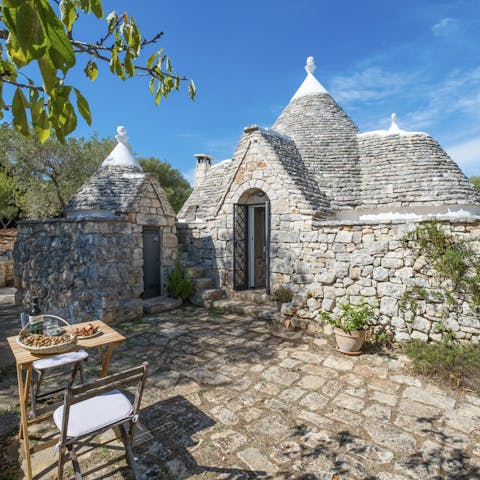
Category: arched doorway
<point>251,239</point>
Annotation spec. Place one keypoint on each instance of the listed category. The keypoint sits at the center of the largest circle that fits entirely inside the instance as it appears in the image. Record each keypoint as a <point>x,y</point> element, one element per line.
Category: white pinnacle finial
<point>310,67</point>
<point>310,86</point>
<point>394,128</point>
<point>121,155</point>
<point>122,135</point>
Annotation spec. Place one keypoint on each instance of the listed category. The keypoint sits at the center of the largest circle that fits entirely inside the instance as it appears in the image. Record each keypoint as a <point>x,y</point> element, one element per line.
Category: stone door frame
<point>242,247</point>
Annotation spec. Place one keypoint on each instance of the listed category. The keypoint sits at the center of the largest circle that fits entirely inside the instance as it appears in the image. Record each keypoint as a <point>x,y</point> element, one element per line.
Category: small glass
<point>50,326</point>
<point>24,318</point>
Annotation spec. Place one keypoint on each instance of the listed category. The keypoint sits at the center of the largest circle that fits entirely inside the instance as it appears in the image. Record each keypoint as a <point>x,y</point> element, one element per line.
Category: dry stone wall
<point>338,262</point>
<point>96,265</point>
<point>6,269</point>
<point>330,263</point>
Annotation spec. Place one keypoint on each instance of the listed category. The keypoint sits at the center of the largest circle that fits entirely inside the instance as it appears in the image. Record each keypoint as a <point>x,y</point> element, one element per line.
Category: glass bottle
<point>36,326</point>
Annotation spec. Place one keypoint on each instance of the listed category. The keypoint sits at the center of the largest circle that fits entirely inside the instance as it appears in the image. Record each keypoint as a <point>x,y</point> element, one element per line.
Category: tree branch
<point>17,84</point>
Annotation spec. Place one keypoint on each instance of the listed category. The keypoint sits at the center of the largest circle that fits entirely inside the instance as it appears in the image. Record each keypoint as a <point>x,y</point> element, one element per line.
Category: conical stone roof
<point>114,187</point>
<point>326,138</point>
<point>410,169</point>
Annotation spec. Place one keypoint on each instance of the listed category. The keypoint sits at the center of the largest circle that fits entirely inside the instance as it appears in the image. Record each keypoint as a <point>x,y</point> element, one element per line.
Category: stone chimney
<point>204,162</point>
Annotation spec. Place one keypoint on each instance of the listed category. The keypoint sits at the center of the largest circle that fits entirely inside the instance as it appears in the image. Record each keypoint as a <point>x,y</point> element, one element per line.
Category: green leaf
<point>152,85</point>
<point>192,90</point>
<point>151,60</point>
<point>91,70</point>
<point>49,73</point>
<point>129,66</point>
<point>97,8</point>
<point>83,107</point>
<point>60,49</point>
<point>42,127</point>
<point>25,25</point>
<point>158,96</point>
<point>68,13</point>
<point>111,20</point>
<point>71,118</point>
<point>19,114</point>
<point>12,3</point>
<point>19,56</point>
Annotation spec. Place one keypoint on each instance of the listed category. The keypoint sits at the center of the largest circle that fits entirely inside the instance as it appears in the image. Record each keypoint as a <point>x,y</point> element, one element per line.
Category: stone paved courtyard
<point>233,398</point>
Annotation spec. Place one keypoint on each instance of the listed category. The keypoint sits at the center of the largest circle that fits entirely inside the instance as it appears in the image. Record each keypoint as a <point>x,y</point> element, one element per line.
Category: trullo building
<point>315,205</point>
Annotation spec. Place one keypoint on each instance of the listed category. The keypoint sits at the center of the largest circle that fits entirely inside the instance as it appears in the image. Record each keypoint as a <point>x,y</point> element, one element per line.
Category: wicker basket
<point>49,349</point>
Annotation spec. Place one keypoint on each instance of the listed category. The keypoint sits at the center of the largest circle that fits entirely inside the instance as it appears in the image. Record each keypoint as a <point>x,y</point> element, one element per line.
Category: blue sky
<point>418,58</point>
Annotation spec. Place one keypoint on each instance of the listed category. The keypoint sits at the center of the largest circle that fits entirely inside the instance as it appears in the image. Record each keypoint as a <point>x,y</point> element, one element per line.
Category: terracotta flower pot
<point>349,342</point>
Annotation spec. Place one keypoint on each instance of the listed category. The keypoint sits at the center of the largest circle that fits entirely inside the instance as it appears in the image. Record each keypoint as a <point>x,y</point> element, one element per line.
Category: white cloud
<point>457,95</point>
<point>467,155</point>
<point>446,26</point>
<point>370,84</point>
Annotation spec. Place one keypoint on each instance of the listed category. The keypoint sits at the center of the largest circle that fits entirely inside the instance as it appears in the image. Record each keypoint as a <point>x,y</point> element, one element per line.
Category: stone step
<point>202,283</point>
<point>204,298</point>
<point>268,313</point>
<point>160,304</point>
<point>253,296</point>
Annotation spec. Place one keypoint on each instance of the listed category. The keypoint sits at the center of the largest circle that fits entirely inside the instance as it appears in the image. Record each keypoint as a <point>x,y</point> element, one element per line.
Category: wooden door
<point>151,262</point>
<point>259,250</point>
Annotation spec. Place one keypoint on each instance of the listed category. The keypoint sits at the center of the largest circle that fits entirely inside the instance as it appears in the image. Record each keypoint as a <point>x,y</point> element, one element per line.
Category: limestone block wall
<point>330,263</point>
<point>6,269</point>
<point>354,262</point>
<point>154,209</point>
<point>96,265</point>
<point>209,242</point>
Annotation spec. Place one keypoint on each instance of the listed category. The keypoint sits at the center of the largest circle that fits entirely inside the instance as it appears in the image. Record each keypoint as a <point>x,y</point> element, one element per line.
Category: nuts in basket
<point>44,340</point>
<point>85,331</point>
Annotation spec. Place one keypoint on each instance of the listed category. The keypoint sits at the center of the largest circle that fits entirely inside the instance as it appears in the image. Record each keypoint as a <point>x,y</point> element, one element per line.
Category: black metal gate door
<point>151,262</point>
<point>267,247</point>
<point>240,246</point>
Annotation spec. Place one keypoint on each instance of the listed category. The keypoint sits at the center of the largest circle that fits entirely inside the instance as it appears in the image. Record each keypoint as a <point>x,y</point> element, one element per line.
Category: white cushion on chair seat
<point>94,413</point>
<point>59,360</point>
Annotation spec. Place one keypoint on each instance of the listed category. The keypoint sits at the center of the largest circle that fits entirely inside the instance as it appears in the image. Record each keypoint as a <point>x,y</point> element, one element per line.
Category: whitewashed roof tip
<point>121,156</point>
<point>393,130</point>
<point>310,86</point>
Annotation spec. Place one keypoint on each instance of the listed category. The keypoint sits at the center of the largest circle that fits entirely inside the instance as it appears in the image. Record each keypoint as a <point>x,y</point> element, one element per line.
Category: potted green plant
<point>350,326</point>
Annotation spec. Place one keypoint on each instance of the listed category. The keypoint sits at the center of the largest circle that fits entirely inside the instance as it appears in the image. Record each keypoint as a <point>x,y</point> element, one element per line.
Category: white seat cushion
<point>94,413</point>
<point>59,360</point>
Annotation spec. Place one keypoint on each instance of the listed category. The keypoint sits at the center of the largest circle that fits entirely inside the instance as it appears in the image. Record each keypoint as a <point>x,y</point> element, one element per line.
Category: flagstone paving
<point>233,398</point>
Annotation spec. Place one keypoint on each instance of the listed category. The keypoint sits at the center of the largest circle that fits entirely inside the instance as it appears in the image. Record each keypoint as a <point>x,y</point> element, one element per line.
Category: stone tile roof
<point>334,165</point>
<point>410,170</point>
<point>207,197</point>
<point>289,156</point>
<point>327,141</point>
<point>110,188</point>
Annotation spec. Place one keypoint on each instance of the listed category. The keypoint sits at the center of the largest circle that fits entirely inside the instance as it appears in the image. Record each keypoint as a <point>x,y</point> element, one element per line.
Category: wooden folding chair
<point>96,407</point>
<point>41,366</point>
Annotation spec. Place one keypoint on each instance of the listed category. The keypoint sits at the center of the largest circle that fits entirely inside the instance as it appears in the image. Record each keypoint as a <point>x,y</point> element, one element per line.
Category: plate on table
<point>85,337</point>
<point>86,332</point>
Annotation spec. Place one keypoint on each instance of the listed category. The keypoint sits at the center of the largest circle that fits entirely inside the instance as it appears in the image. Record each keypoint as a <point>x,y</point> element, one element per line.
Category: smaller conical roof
<point>114,187</point>
<point>121,156</point>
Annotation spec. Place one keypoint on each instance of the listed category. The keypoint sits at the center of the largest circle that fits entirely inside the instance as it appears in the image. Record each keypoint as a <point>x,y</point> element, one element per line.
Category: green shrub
<point>353,317</point>
<point>449,361</point>
<point>282,294</point>
<point>453,259</point>
<point>179,282</point>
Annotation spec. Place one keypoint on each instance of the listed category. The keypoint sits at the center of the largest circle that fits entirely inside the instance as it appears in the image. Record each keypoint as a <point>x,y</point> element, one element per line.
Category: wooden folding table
<point>105,342</point>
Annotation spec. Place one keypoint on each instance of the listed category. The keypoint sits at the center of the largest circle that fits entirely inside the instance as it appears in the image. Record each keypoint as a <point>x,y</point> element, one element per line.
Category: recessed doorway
<point>251,228</point>
<point>152,278</point>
